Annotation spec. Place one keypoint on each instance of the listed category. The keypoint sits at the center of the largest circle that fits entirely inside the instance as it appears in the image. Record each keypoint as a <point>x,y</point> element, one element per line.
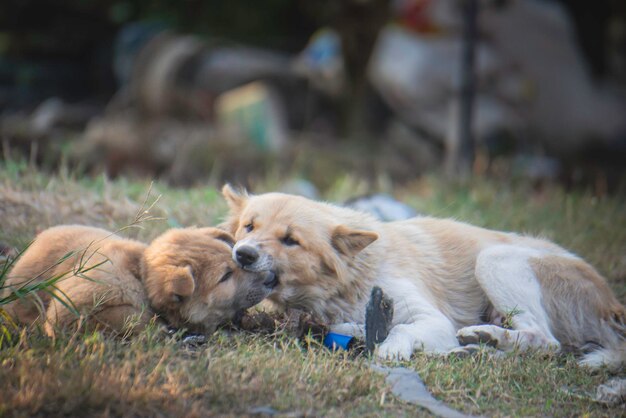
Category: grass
<point>88,374</point>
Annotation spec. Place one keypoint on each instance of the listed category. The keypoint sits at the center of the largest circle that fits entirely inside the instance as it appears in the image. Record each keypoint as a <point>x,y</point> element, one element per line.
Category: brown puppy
<point>193,282</point>
<point>116,283</point>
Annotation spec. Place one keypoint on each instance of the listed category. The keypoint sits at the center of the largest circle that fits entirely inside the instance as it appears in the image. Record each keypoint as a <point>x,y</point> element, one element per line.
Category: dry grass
<point>150,376</point>
<point>90,375</point>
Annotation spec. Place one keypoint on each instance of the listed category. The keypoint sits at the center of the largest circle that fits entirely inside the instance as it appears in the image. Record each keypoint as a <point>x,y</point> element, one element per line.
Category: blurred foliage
<point>65,49</point>
<point>71,26</point>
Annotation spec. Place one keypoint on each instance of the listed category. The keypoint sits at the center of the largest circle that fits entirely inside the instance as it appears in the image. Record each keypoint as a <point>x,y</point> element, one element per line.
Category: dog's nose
<point>246,255</point>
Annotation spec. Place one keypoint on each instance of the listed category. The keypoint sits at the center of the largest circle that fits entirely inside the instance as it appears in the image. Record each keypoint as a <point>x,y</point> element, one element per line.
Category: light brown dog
<point>185,275</point>
<point>448,280</point>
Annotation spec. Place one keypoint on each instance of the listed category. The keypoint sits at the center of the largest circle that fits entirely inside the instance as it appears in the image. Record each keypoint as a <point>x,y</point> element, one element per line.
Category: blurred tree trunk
<point>358,23</point>
<point>460,144</point>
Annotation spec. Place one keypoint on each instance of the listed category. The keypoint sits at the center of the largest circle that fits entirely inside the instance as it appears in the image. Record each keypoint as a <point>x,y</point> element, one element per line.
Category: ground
<point>88,374</point>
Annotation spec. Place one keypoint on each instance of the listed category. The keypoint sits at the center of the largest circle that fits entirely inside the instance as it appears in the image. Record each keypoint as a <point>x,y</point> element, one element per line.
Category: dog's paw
<point>480,334</point>
<point>465,351</point>
<point>395,349</point>
<point>475,349</point>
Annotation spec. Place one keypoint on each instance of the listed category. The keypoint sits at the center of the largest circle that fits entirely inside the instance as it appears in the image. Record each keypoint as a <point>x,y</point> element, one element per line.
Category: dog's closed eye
<point>226,276</point>
<point>289,241</point>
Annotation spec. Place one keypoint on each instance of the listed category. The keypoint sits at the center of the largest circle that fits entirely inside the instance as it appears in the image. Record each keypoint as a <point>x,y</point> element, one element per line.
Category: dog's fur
<point>449,280</point>
<point>186,275</point>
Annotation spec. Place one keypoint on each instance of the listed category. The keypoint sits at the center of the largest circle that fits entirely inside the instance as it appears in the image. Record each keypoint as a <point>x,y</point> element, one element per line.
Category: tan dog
<point>185,275</point>
<point>448,279</point>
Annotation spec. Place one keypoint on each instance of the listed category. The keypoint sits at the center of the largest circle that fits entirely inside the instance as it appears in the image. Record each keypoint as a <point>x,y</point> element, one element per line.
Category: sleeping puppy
<point>116,284</point>
<point>192,281</point>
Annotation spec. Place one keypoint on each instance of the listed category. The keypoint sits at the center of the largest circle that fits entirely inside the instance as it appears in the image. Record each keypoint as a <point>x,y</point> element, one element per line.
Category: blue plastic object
<point>337,341</point>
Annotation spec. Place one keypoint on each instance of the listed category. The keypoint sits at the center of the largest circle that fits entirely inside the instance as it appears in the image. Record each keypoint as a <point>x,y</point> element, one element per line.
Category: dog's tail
<point>612,358</point>
<point>611,354</point>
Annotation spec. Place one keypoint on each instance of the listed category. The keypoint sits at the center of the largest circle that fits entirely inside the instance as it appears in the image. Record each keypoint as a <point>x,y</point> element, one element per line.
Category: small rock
<point>382,206</point>
<point>378,317</point>
<point>263,410</point>
<point>612,392</point>
<point>301,187</point>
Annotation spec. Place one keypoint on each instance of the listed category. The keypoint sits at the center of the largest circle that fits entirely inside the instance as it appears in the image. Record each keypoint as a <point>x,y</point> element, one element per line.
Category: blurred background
<point>192,91</point>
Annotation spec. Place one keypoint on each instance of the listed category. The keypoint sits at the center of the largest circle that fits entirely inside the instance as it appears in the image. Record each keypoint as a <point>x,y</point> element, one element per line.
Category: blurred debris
<point>194,340</point>
<point>265,410</point>
<point>48,119</point>
<point>193,108</point>
<point>321,62</point>
<point>537,167</point>
<point>382,206</point>
<point>567,114</point>
<point>43,133</point>
<point>413,66</point>
<point>182,76</point>
<point>301,187</point>
<point>163,76</point>
<point>129,41</point>
<point>254,112</point>
<point>415,77</point>
<point>127,144</point>
<point>612,392</point>
<point>46,115</point>
<point>293,322</point>
<point>408,386</point>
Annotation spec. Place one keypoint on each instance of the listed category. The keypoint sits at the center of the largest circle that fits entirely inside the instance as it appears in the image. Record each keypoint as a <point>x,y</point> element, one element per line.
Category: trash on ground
<point>408,386</point>
<point>382,206</point>
<point>612,392</point>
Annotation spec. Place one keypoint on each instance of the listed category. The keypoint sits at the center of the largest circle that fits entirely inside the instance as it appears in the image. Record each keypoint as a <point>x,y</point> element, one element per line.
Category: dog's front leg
<point>418,322</point>
<point>433,335</point>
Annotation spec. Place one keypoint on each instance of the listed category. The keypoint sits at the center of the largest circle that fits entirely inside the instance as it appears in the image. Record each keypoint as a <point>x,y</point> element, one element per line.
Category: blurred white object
<point>567,108</point>
<point>417,76</point>
<point>530,73</point>
<point>382,206</point>
<point>301,187</point>
<point>612,392</point>
<point>46,115</point>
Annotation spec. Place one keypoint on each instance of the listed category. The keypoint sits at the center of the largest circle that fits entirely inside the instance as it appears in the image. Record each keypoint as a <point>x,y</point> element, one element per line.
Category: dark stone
<point>378,317</point>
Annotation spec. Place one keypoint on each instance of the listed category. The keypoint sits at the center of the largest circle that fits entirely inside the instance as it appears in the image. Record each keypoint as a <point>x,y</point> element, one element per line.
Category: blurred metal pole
<point>460,151</point>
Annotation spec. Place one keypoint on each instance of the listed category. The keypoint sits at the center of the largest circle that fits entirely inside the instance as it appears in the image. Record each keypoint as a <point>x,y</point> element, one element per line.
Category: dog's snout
<point>246,255</point>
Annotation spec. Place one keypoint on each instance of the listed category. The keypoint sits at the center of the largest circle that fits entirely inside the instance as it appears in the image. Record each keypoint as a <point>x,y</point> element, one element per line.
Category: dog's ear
<point>221,234</point>
<point>182,284</point>
<point>132,253</point>
<point>236,199</point>
<point>349,241</point>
